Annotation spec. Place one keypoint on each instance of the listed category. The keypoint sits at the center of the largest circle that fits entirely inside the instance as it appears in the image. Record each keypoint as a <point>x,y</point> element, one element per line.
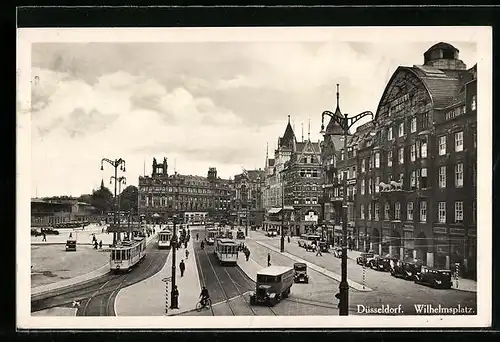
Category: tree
<point>85,198</point>
<point>128,198</point>
<point>102,199</point>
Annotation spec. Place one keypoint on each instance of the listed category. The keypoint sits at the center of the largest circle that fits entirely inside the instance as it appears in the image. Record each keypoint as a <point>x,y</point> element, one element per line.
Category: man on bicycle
<point>204,296</point>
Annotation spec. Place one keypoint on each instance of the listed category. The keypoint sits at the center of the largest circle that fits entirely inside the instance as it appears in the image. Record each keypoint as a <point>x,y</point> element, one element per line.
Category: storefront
<point>408,248</point>
<point>441,258</point>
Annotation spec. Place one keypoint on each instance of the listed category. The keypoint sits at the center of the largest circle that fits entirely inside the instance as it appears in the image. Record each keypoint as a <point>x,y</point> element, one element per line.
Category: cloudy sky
<point>200,104</point>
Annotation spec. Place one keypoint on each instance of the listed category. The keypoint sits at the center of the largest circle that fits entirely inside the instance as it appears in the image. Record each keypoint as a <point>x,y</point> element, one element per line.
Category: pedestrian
<point>197,236</point>
<point>247,253</point>
<point>185,244</point>
<point>100,244</point>
<point>318,250</point>
<point>288,238</point>
<point>268,259</point>
<point>182,267</point>
<point>187,254</point>
<point>44,238</point>
<point>70,235</point>
<point>95,244</point>
<point>175,298</point>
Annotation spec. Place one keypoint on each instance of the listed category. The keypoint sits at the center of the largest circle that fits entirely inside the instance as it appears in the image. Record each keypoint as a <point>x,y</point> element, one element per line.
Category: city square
<point>229,188</point>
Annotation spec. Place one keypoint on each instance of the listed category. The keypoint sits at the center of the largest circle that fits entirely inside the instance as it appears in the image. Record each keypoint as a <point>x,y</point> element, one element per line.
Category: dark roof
<point>333,127</point>
<point>441,45</point>
<point>288,136</point>
<point>457,100</point>
<point>442,88</point>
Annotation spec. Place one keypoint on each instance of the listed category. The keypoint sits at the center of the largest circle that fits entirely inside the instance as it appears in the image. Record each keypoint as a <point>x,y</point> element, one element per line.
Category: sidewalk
<point>147,298</point>
<point>83,237</point>
<point>102,270</point>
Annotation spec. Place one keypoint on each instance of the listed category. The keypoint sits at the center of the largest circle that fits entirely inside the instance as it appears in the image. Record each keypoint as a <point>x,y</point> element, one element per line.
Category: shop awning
<point>277,210</point>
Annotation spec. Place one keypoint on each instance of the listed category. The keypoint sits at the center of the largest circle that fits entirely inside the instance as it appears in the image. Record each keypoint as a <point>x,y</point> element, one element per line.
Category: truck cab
<point>273,284</point>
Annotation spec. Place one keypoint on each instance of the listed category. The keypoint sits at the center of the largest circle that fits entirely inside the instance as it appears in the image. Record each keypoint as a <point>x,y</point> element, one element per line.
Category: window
<point>377,182</point>
<point>401,129</point>
<point>425,120</point>
<point>423,211</point>
<point>401,155</point>
<point>370,186</point>
<point>459,212</point>
<point>377,211</point>
<point>354,151</point>
<point>442,145</point>
<point>473,104</point>
<point>377,160</point>
<point>412,153</point>
<point>442,212</point>
<point>354,172</point>
<point>409,211</point>
<point>363,165</point>
<point>424,177</point>
<point>386,211</point>
<point>413,125</point>
<point>341,154</point>
<point>389,133</point>
<point>369,212</point>
<point>423,149</point>
<point>389,158</point>
<point>459,175</point>
<point>397,211</point>
<point>442,177</point>
<point>413,183</point>
<point>362,211</point>
<point>474,212</point>
<point>370,164</point>
<point>362,187</point>
<point>459,141</point>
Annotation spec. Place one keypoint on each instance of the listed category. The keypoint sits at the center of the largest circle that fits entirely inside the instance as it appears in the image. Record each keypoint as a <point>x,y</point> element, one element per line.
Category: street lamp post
<point>115,163</point>
<point>345,124</point>
<point>121,180</point>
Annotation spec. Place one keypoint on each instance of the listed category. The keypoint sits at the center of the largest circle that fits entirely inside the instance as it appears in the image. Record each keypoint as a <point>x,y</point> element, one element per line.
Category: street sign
<point>166,280</point>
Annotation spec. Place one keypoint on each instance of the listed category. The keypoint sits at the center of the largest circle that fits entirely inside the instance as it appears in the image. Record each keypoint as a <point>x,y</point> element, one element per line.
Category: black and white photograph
<point>285,177</point>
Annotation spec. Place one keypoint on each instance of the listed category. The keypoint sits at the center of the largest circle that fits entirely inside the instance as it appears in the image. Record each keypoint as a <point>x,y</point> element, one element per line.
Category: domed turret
<point>443,56</point>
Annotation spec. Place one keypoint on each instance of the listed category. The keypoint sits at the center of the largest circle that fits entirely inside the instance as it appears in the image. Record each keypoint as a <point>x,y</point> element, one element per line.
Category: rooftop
<point>274,270</point>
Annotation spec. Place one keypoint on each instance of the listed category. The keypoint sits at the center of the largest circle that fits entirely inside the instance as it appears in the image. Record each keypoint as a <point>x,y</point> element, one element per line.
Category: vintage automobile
<point>337,252</point>
<point>49,231</point>
<point>272,232</point>
<point>434,277</point>
<point>300,273</point>
<point>323,245</point>
<point>71,245</point>
<point>240,235</point>
<point>273,284</point>
<point>365,258</point>
<point>406,269</point>
<point>35,232</point>
<point>382,263</point>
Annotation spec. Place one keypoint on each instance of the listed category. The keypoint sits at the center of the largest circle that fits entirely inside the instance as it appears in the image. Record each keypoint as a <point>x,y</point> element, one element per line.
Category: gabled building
<point>248,197</point>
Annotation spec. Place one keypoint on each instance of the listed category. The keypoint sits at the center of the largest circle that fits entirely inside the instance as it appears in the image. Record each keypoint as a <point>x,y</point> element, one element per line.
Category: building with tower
<point>248,187</point>
<point>193,198</point>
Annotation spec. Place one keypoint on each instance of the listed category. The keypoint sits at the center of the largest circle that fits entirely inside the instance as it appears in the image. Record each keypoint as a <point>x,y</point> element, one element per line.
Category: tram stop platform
<point>150,293</point>
<point>53,268</point>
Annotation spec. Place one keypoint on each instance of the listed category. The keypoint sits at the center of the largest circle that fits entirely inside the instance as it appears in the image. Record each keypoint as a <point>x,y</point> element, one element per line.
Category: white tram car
<point>126,254</point>
<point>210,235</point>
<point>226,251</point>
<point>164,238</point>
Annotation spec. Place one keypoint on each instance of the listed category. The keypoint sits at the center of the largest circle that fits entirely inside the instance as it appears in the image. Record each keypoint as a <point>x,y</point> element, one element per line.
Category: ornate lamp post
<point>121,180</point>
<point>115,163</point>
<point>345,124</point>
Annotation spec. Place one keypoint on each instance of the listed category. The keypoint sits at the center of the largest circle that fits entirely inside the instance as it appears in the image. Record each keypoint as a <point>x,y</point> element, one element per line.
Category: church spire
<point>102,183</point>
<point>309,130</point>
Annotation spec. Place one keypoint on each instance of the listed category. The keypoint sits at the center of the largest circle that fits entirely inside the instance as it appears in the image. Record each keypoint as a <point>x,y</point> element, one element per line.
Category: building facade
<point>192,198</point>
<point>47,212</point>
<point>416,195</point>
<point>248,197</point>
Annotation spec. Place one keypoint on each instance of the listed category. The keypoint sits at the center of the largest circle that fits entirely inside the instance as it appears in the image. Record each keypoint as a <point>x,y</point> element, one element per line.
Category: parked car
<point>433,277</point>
<point>364,258</point>
<point>406,269</point>
<point>35,232</point>
<point>323,245</point>
<point>300,273</point>
<point>272,233</point>
<point>49,231</point>
<point>240,235</point>
<point>382,263</point>
<point>337,252</point>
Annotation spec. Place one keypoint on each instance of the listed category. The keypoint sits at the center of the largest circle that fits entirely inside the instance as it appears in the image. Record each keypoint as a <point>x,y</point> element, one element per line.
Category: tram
<point>226,251</point>
<point>210,235</point>
<point>164,238</point>
<point>126,254</point>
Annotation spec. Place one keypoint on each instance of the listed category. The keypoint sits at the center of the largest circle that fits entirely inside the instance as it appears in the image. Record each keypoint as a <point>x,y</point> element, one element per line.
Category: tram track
<point>220,284</point>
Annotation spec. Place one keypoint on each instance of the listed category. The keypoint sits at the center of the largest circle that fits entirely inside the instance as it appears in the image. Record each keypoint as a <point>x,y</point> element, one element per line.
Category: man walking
<point>247,253</point>
<point>318,250</point>
<point>197,236</point>
<point>44,238</point>
<point>187,254</point>
<point>182,267</point>
<point>175,299</point>
<point>268,259</point>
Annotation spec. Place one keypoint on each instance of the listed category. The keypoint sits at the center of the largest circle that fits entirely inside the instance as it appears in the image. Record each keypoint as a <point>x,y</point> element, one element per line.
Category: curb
<point>54,287</point>
<point>317,268</point>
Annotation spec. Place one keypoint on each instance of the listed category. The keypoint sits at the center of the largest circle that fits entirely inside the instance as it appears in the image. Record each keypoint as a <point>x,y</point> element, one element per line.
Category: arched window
<point>473,104</point>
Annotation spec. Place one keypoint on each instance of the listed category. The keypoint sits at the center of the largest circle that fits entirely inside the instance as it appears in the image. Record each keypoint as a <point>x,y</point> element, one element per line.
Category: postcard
<point>285,177</point>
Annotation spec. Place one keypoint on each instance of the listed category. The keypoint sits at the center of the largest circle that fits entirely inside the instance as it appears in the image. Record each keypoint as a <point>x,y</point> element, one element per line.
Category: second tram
<point>210,235</point>
<point>164,238</point>
<point>126,254</point>
<point>226,251</point>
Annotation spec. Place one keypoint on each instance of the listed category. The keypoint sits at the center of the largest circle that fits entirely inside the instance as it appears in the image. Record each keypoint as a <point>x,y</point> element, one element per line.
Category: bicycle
<point>203,303</point>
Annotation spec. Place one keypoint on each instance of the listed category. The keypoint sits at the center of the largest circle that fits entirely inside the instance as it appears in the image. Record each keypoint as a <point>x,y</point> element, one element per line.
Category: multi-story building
<point>193,198</point>
<point>248,190</point>
<point>416,175</point>
<point>302,177</point>
<point>48,212</point>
